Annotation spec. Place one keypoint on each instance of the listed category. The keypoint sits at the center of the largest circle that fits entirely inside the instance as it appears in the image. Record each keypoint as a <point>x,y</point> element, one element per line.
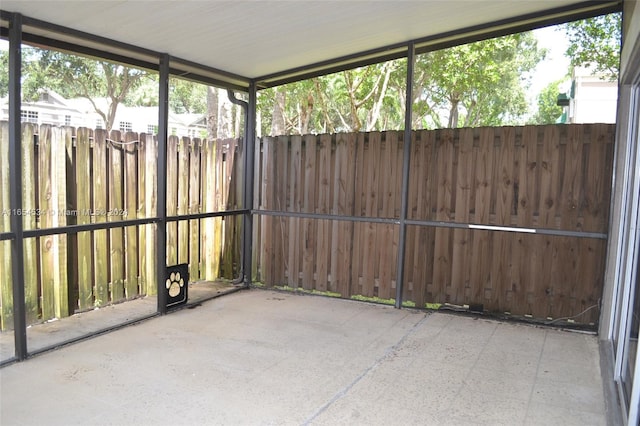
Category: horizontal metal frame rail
<point>435,224</point>
<point>321,216</point>
<point>207,215</point>
<point>74,229</point>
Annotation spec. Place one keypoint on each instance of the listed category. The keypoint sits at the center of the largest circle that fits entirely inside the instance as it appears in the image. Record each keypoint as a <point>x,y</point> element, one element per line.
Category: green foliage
<point>186,96</point>
<point>76,76</point>
<point>476,84</point>
<point>146,94</point>
<point>548,110</point>
<point>595,43</point>
<point>4,73</point>
<point>362,99</point>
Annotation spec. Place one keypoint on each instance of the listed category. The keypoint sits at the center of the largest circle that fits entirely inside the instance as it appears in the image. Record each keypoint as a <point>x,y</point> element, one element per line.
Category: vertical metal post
<point>405,174</point>
<point>161,231</point>
<point>247,243</point>
<point>15,186</point>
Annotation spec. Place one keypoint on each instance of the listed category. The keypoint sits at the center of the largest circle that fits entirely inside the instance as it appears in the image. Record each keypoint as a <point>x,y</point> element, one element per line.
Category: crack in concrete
<point>387,354</point>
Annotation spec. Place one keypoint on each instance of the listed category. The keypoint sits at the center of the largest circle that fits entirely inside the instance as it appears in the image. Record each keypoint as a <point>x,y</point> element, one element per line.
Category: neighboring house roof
<point>52,97</point>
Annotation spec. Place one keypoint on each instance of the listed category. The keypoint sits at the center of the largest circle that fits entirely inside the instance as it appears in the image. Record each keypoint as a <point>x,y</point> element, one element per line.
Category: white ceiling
<point>257,38</point>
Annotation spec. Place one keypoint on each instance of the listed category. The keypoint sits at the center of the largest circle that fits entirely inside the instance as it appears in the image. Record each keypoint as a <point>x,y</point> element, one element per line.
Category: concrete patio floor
<point>262,357</point>
<point>53,333</point>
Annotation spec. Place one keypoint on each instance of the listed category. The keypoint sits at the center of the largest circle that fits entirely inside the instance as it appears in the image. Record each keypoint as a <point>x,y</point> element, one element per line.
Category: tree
<point>476,84</point>
<point>595,43</point>
<point>4,73</point>
<point>548,109</point>
<point>76,76</point>
<point>352,100</point>
<point>187,97</point>
<point>278,115</point>
<point>220,114</point>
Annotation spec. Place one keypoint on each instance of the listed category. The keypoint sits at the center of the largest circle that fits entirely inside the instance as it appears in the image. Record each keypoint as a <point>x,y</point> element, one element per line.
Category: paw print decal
<point>177,284</point>
<point>174,284</point>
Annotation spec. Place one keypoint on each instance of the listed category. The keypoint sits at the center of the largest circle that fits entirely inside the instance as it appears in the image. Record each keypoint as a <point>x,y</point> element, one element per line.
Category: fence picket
<point>370,259</point>
<point>83,207</point>
<point>548,177</point>
<point>219,198</point>
<point>172,199</point>
<point>296,185</point>
<point>207,226</point>
<point>464,172</point>
<point>309,206</point>
<point>6,288</point>
<point>130,205</point>
<point>99,215</point>
<point>195,207</point>
<point>595,186</point>
<point>358,207</point>
<point>444,172</point>
<point>150,144</point>
<point>182,201</point>
<point>480,267</point>
<point>323,247</point>
<point>53,248</point>
<point>572,179</point>
<point>115,209</point>
<point>387,208</point>
<point>279,198</point>
<point>232,191</point>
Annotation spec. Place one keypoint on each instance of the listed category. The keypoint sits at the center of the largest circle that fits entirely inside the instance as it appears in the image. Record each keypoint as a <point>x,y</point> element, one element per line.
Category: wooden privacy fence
<point>83,176</point>
<point>555,178</point>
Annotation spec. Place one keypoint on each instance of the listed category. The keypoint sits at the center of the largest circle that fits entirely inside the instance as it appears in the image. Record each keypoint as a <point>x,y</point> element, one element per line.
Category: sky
<point>556,65</point>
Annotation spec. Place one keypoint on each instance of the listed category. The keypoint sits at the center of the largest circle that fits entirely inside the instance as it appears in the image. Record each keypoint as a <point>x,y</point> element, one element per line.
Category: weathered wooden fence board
<point>114,214</point>
<point>53,205</point>
<point>131,246</point>
<point>195,207</point>
<point>148,250</point>
<point>30,221</point>
<point>182,201</point>
<point>99,215</point>
<point>172,199</point>
<point>83,205</point>
<point>296,187</point>
<point>6,294</point>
